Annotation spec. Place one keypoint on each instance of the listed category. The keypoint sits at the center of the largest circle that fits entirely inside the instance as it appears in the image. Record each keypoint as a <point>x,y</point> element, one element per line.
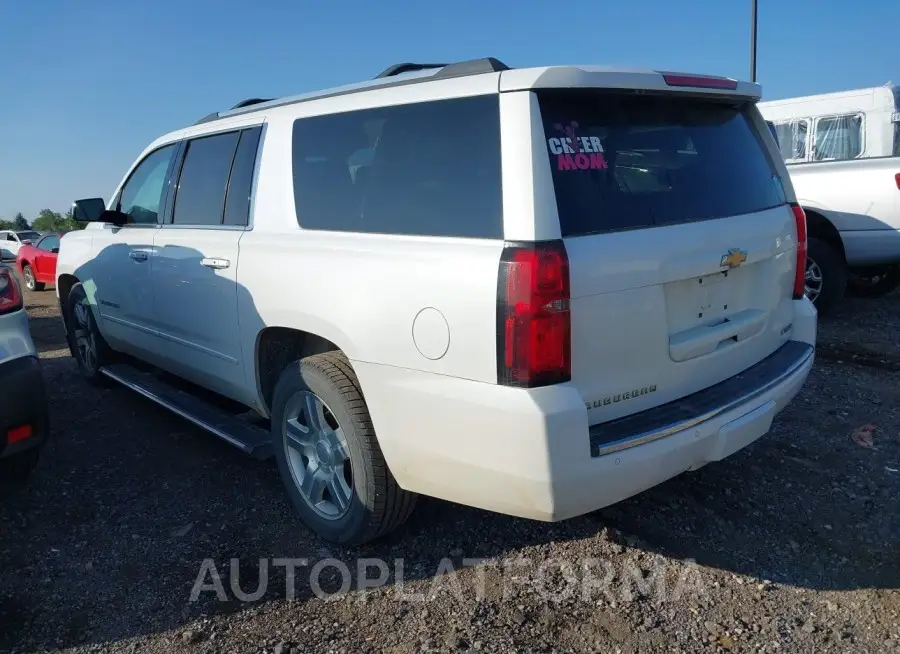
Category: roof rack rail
<point>470,67</point>
<point>407,67</point>
<point>240,105</point>
<point>208,117</point>
<point>459,69</point>
<point>249,101</point>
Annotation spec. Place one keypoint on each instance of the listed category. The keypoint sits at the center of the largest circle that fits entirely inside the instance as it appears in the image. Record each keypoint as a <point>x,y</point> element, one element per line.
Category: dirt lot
<point>790,545</point>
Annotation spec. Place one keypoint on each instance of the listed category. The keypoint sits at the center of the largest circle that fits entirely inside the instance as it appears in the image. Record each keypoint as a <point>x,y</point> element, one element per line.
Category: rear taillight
<point>533,321</point>
<point>897,180</point>
<point>700,81</point>
<point>800,273</point>
<point>16,434</point>
<point>10,296</point>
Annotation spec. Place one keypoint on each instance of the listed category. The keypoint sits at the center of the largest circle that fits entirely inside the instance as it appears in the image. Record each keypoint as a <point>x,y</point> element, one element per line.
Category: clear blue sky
<point>85,85</point>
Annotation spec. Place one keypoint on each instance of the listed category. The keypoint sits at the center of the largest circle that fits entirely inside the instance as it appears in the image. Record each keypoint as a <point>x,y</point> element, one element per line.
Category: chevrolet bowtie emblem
<point>733,258</point>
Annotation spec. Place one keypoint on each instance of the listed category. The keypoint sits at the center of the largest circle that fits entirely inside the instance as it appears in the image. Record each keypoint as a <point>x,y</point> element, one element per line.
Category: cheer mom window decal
<point>574,152</point>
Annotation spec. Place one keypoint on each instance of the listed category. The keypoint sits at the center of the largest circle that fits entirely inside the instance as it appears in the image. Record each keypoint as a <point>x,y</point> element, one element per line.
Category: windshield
<point>623,161</point>
<point>28,236</point>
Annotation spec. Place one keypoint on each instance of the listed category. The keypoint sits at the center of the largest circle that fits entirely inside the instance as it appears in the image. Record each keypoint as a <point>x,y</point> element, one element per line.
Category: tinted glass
<point>28,236</point>
<point>49,242</point>
<point>200,198</point>
<point>143,192</point>
<point>237,202</point>
<point>430,168</point>
<point>627,161</point>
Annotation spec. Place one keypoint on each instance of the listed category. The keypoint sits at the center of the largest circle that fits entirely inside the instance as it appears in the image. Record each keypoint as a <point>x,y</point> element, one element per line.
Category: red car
<point>37,262</point>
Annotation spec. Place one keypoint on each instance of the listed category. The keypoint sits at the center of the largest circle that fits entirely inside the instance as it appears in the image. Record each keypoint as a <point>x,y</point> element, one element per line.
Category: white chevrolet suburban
<point>535,291</point>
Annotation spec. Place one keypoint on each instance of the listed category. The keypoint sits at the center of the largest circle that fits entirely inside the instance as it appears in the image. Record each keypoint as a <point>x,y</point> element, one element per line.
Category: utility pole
<point>752,40</point>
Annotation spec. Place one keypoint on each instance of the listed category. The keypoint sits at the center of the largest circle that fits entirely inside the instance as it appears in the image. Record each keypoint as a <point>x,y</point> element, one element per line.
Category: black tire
<point>883,282</point>
<point>833,271</point>
<point>16,470</point>
<point>377,504</point>
<point>30,282</point>
<point>103,355</point>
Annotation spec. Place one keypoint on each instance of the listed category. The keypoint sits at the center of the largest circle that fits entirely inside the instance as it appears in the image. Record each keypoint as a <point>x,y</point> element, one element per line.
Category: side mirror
<point>55,250</point>
<point>88,211</point>
<point>94,211</point>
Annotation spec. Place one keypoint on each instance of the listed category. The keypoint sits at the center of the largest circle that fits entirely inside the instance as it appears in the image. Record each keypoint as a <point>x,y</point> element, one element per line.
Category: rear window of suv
<point>427,169</point>
<point>622,161</point>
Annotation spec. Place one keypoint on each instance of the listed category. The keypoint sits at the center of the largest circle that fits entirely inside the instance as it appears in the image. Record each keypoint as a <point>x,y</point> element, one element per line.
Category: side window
<point>200,197</point>
<point>792,139</point>
<point>48,243</point>
<point>430,168</point>
<point>12,237</point>
<point>237,201</point>
<point>838,137</point>
<point>142,194</point>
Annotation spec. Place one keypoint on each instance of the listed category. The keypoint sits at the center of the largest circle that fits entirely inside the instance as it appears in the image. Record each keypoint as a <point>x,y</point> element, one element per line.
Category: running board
<point>253,440</point>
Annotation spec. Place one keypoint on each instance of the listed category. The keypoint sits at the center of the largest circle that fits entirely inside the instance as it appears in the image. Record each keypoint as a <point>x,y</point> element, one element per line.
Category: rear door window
<point>200,198</point>
<point>622,161</point>
<point>237,200</point>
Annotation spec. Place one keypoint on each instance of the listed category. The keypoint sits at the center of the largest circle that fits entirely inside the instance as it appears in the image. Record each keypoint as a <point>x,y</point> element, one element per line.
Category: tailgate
<point>681,245</point>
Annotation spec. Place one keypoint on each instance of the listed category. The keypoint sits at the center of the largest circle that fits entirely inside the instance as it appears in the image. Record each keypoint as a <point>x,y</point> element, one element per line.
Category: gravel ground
<point>788,546</point>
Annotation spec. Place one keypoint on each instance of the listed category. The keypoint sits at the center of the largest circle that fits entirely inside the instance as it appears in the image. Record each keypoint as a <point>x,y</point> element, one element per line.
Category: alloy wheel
<point>85,341</point>
<point>317,455</point>
<point>813,280</point>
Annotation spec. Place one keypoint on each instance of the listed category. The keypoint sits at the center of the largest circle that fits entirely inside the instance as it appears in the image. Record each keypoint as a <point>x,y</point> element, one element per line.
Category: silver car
<point>23,398</point>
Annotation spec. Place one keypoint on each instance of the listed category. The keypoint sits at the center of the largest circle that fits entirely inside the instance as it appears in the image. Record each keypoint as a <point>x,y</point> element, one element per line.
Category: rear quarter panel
<point>420,303</point>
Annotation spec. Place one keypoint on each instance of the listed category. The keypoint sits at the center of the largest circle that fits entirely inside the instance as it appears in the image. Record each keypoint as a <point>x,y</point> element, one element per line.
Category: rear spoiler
<point>557,77</point>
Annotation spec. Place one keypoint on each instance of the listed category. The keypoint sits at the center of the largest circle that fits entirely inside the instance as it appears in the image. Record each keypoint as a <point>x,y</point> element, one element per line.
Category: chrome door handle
<point>218,264</point>
<point>138,256</point>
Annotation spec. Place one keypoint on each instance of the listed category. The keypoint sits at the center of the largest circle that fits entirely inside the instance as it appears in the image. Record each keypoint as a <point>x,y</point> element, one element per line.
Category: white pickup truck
<point>843,154</point>
<point>535,291</point>
<point>853,216</point>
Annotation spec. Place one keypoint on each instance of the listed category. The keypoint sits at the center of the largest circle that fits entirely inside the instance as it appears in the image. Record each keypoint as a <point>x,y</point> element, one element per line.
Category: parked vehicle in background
<point>11,241</point>
<point>23,399</point>
<point>534,291</point>
<point>37,263</point>
<point>842,153</point>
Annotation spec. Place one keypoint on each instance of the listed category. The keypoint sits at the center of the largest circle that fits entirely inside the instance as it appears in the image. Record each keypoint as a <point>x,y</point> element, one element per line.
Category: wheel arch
<point>820,227</point>
<point>64,284</point>
<point>276,348</point>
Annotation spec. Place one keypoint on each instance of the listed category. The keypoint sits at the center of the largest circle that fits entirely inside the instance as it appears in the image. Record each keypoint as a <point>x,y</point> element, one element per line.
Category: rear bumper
<point>871,247</point>
<point>23,403</point>
<point>528,452</point>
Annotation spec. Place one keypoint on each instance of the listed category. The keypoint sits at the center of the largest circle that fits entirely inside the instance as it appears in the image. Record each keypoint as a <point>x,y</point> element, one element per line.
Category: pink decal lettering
<point>564,162</point>
<point>598,162</point>
<point>582,161</point>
